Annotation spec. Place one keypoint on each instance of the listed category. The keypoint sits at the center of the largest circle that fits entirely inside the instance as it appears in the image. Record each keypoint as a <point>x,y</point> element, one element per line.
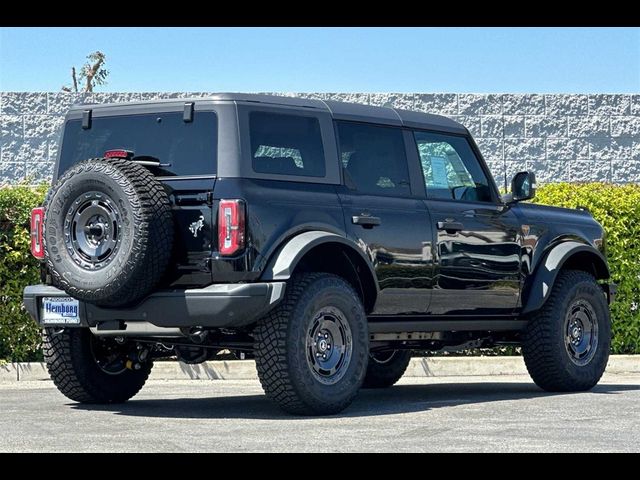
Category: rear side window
<point>286,144</point>
<point>183,148</point>
<point>374,159</point>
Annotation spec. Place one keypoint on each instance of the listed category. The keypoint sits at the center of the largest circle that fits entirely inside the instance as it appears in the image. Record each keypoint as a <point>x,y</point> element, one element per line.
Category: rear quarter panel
<point>276,211</point>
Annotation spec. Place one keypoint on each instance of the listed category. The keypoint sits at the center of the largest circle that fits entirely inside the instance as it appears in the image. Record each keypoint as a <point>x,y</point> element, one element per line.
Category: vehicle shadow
<point>394,400</point>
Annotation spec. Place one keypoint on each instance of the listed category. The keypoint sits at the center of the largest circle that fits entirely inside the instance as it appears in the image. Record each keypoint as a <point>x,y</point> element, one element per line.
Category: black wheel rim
<point>383,357</point>
<point>329,345</point>
<point>92,230</point>
<point>581,332</point>
<point>109,355</point>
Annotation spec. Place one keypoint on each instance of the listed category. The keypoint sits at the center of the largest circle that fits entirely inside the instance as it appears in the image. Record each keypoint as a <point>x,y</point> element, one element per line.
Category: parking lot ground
<point>497,413</point>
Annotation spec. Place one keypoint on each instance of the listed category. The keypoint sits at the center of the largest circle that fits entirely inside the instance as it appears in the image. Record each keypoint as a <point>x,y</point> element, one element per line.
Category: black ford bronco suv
<point>328,240</point>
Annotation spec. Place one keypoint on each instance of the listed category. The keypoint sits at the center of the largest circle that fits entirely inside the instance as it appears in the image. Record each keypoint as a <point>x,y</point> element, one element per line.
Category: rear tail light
<point>231,226</point>
<point>37,221</point>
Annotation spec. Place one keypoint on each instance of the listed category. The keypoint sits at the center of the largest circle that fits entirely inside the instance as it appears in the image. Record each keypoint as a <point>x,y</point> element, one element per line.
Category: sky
<point>487,60</point>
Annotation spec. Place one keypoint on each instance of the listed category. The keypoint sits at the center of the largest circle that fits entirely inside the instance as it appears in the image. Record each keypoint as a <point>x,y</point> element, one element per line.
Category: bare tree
<point>92,73</point>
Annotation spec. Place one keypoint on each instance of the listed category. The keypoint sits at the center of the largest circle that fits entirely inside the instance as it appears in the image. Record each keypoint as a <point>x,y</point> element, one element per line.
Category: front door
<point>384,218</point>
<point>476,238</point>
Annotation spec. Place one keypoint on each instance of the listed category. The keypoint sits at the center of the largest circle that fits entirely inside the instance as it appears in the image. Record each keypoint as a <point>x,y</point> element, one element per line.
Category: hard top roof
<point>338,110</point>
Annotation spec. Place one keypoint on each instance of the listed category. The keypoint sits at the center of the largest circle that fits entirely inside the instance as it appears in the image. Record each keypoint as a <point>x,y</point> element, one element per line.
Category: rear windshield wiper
<point>146,160</point>
<point>149,161</point>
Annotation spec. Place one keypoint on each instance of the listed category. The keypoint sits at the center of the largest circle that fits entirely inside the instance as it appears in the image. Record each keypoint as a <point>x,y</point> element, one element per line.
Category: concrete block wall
<point>578,137</point>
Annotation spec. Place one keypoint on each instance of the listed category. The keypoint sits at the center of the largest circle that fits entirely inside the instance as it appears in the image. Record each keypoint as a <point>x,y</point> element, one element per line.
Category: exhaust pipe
<point>135,329</point>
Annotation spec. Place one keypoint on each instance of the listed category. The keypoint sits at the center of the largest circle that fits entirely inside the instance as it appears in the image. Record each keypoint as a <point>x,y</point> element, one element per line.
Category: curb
<point>246,369</point>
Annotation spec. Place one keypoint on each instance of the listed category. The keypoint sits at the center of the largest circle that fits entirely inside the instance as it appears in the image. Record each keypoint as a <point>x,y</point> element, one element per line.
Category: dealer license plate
<point>60,311</point>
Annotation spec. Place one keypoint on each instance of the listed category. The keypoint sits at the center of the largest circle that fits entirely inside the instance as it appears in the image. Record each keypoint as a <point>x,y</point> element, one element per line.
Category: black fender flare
<point>284,261</point>
<point>539,287</point>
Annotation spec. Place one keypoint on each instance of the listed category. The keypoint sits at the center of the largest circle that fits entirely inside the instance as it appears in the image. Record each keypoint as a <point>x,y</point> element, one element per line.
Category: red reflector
<point>37,221</point>
<point>118,153</point>
<point>231,227</point>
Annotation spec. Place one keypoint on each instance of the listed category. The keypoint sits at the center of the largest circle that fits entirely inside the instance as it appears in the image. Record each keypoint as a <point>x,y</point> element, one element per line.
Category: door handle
<point>366,221</point>
<point>450,227</point>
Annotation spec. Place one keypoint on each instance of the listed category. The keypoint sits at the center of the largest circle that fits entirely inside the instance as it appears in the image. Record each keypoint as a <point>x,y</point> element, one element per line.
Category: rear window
<point>183,148</point>
<point>286,144</point>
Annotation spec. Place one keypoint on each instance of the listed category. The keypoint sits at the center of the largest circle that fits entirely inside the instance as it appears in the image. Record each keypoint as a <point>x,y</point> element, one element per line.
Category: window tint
<point>451,169</point>
<point>184,148</point>
<point>374,159</point>
<point>286,144</point>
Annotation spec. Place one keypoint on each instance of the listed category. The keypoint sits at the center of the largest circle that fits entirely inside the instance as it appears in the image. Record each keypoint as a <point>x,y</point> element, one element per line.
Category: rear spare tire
<point>108,231</point>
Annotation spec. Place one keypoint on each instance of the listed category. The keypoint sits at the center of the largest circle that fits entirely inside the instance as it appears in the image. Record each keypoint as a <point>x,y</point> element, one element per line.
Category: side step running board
<point>457,325</point>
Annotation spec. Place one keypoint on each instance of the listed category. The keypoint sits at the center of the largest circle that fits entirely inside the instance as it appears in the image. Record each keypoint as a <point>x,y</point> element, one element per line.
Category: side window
<point>374,159</point>
<point>286,144</point>
<point>451,169</point>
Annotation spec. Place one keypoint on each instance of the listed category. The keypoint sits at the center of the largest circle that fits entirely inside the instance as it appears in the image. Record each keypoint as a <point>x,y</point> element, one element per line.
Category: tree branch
<point>75,79</point>
<point>91,72</point>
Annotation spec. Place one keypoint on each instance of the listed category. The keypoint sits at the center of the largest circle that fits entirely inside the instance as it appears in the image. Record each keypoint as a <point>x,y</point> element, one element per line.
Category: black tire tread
<point>384,375</point>
<point>76,376</point>
<point>270,351</point>
<point>539,347</point>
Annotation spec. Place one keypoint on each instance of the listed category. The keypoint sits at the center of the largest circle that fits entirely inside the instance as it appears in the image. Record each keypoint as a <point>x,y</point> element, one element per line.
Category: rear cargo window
<point>286,144</point>
<point>183,148</point>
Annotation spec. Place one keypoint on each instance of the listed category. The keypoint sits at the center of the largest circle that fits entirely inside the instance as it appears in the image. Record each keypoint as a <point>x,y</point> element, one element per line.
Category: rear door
<point>384,217</point>
<point>476,238</point>
<point>181,151</point>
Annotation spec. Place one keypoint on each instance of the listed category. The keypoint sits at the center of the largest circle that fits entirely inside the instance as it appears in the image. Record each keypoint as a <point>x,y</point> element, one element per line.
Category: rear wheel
<point>566,344</point>
<point>311,350</point>
<point>90,369</point>
<point>386,368</point>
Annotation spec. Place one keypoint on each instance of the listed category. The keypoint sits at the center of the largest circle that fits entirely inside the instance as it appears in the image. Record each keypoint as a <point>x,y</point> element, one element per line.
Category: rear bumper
<point>221,305</point>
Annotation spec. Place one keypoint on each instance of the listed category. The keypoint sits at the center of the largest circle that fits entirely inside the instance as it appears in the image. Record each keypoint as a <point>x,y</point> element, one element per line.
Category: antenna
<point>506,188</point>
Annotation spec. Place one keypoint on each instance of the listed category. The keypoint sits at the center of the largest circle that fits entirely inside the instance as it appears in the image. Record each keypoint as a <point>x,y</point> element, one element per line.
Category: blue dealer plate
<point>60,311</point>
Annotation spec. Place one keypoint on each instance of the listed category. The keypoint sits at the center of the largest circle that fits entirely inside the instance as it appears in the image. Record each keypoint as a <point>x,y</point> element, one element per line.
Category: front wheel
<point>566,344</point>
<point>90,369</point>
<point>311,350</point>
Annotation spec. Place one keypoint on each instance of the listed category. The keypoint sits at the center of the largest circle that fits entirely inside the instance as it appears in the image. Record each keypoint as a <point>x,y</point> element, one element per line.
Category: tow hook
<point>198,335</point>
<point>610,290</point>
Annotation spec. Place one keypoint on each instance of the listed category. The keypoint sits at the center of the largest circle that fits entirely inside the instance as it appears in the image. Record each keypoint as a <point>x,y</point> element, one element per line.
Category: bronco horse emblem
<point>195,227</point>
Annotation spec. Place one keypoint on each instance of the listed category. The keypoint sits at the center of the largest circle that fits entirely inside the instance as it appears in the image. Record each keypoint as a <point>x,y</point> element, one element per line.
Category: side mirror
<point>523,186</point>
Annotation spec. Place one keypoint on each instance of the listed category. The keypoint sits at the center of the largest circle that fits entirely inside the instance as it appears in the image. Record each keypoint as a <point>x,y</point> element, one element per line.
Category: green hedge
<point>19,335</point>
<point>616,207</point>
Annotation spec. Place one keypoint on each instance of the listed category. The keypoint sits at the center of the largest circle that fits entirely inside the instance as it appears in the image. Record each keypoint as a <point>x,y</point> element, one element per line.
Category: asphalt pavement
<point>478,414</point>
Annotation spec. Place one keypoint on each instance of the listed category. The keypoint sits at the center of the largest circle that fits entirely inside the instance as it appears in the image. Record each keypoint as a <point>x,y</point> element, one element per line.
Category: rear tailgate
<point>194,223</point>
<point>181,151</point>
